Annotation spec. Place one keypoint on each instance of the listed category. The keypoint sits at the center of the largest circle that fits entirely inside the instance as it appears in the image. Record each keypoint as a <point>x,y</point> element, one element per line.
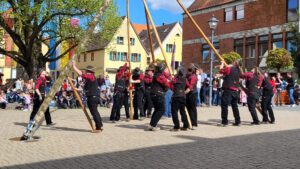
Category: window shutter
<point>118,56</point>
<point>167,48</point>
<point>111,56</point>
<point>132,57</point>
<point>122,56</point>
<point>139,58</point>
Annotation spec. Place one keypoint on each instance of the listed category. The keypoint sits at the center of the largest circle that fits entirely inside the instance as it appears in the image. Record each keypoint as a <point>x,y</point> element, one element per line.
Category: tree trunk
<point>37,62</point>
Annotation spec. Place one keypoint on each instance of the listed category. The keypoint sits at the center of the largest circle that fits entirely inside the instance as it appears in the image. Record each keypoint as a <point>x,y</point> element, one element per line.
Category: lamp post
<point>213,23</point>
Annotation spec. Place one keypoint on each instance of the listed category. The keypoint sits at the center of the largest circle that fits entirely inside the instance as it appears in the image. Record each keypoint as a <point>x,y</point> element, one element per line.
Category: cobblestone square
<point>70,144</point>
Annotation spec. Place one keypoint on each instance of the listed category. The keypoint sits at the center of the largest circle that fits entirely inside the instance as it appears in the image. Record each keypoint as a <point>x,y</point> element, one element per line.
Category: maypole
<point>162,50</point>
<point>149,36</point>
<point>129,57</point>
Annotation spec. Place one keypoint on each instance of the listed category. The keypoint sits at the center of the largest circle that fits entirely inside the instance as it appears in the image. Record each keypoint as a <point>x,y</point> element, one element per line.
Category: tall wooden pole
<point>129,58</point>
<point>163,52</point>
<point>157,36</point>
<point>78,98</point>
<point>149,36</point>
<point>200,31</point>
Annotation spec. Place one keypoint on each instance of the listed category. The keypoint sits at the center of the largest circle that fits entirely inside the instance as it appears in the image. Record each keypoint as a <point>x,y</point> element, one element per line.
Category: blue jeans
<point>168,98</point>
<point>291,95</point>
<point>205,93</point>
<point>215,94</point>
<point>198,96</point>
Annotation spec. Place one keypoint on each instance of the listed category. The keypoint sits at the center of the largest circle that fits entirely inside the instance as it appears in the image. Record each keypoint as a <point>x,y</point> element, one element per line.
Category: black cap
<point>90,69</point>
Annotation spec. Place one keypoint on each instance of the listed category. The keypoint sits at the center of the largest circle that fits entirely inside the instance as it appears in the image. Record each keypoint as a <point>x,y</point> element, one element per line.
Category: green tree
<point>231,57</point>
<point>31,23</point>
<point>279,59</point>
<point>295,50</point>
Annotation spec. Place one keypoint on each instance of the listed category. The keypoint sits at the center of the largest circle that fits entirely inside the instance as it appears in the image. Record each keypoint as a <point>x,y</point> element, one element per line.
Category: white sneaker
<point>151,128</point>
<point>293,105</point>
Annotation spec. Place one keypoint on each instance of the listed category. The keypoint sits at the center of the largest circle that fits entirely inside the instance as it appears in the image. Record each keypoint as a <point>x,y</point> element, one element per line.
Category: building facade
<point>107,58</point>
<point>248,27</point>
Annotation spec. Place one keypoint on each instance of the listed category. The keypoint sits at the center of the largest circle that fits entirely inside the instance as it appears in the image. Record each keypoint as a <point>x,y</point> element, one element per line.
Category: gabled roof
<point>163,32</point>
<point>139,27</point>
<point>203,4</point>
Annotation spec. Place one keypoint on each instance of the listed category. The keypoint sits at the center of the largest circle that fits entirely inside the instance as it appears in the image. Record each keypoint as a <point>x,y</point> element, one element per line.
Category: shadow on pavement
<point>274,150</point>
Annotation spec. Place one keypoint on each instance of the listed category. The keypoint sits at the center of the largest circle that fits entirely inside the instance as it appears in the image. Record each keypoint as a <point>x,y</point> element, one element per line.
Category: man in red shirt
<point>160,85</point>
<point>148,82</point>
<point>230,94</point>
<point>119,91</point>
<point>253,82</point>
<point>39,96</point>
<point>139,92</point>
<point>191,94</point>
<point>92,93</point>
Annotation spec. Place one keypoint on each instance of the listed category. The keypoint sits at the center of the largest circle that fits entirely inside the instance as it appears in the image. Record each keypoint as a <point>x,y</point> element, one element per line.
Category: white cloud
<point>170,5</point>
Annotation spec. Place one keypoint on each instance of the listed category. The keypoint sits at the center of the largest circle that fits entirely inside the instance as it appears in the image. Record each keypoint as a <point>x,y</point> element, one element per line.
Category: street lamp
<point>213,23</point>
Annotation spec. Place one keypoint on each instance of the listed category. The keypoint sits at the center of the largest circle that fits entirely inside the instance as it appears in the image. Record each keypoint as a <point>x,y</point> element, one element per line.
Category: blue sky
<point>162,11</point>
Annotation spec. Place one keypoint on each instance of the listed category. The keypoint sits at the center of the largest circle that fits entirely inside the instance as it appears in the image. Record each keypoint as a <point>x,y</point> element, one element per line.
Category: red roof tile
<point>203,4</point>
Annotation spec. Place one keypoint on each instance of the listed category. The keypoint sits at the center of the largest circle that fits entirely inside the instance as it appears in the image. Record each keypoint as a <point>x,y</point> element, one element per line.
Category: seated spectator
<point>3,100</point>
<point>62,100</point>
<point>71,100</point>
<point>27,101</point>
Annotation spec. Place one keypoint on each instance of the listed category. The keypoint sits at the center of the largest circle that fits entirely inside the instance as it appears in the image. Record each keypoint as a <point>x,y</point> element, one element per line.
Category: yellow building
<point>171,38</point>
<point>107,58</point>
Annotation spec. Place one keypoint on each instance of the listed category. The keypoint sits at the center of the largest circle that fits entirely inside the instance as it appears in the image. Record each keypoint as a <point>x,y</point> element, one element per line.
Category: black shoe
<point>50,124</point>
<point>174,130</point>
<point>222,125</point>
<point>264,122</point>
<point>183,129</point>
<point>272,122</point>
<point>255,123</point>
<point>236,124</point>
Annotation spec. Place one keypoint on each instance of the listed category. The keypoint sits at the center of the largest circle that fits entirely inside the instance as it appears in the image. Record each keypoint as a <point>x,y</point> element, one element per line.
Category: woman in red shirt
<point>272,81</point>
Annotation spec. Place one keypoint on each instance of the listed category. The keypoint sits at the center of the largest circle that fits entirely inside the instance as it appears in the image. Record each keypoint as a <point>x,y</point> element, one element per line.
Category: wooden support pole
<point>163,52</point>
<point>149,36</point>
<point>201,32</point>
<point>78,98</point>
<point>129,58</point>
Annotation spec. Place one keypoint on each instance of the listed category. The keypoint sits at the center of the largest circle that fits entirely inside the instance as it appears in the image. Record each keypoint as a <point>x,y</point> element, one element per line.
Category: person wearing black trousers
<point>148,83</point>
<point>179,100</point>
<point>160,85</point>
<point>191,94</point>
<point>253,82</point>
<point>39,96</point>
<point>119,93</point>
<point>139,92</point>
<point>92,93</point>
<point>230,92</point>
<point>266,102</point>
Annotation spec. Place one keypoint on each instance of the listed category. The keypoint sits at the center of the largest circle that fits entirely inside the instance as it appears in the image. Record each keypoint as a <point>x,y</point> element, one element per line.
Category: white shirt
<point>199,81</point>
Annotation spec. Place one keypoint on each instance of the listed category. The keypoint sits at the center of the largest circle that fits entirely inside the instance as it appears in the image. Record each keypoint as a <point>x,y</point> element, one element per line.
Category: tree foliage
<point>295,51</point>
<point>279,59</point>
<point>31,23</point>
<point>231,57</point>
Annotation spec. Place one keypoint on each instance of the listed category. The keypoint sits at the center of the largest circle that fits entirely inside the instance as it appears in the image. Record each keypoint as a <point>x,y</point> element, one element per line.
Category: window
<point>239,12</point>
<point>263,47</point>
<point>292,10</point>
<point>113,56</point>
<point>13,73</point>
<point>120,40</point>
<point>84,58</point>
<point>78,58</point>
<point>1,56</point>
<point>250,47</point>
<point>228,15</point>
<point>206,52</point>
<point>170,48</point>
<point>148,60</point>
<point>238,46</point>
<point>290,45</point>
<point>135,57</point>
<point>124,56</point>
<point>132,41</point>
<point>1,69</point>
<point>92,56</point>
<point>277,41</point>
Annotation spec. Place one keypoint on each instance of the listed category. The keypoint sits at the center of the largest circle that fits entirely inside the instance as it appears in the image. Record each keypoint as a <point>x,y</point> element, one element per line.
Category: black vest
<point>120,84</point>
<point>42,87</point>
<point>148,85</point>
<point>139,86</point>
<point>158,88</point>
<point>252,84</point>
<point>267,87</point>
<point>179,87</point>
<point>91,88</point>
<point>232,80</point>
